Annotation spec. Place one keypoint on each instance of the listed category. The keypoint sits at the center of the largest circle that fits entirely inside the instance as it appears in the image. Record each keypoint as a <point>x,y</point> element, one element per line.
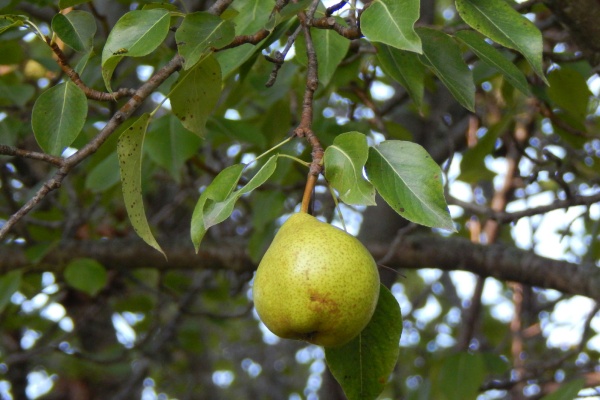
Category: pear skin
<point>316,283</point>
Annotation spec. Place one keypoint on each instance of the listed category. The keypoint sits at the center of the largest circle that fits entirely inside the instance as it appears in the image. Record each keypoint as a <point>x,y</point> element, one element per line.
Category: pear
<point>316,283</point>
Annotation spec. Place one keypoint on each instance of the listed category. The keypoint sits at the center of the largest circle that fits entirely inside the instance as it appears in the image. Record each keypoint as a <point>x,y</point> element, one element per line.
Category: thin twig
<point>90,93</point>
<point>68,164</point>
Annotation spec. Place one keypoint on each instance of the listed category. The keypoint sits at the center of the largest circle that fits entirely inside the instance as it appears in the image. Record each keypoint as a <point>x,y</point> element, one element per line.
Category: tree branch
<point>117,119</point>
<point>413,252</point>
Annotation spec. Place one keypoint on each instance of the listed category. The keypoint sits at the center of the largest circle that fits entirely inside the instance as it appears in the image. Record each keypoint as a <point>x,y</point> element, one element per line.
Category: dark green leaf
<point>58,116</point>
<point>104,175</point>
<point>86,274</point>
<point>170,145</point>
<point>362,367</point>
<point>129,149</point>
<point>495,59</point>
<point>344,163</point>
<point>460,376</point>
<point>15,94</point>
<point>405,68</point>
<point>569,91</point>
<point>567,391</point>
<point>392,22</point>
<point>199,33</point>
<point>195,93</point>
<point>442,55</point>
<point>9,284</point>
<point>62,4</point>
<point>330,48</point>
<point>500,22</point>
<point>410,182</point>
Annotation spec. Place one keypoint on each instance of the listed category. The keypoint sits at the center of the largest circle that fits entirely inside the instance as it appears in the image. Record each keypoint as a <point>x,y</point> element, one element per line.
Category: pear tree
<point>210,161</point>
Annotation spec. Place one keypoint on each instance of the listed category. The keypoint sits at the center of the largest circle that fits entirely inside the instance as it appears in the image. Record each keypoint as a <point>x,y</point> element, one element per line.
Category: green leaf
<point>58,116</point>
<point>495,59</point>
<point>104,175</point>
<point>330,48</point>
<point>9,284</point>
<point>15,94</point>
<point>199,33</point>
<point>129,149</point>
<point>221,129</point>
<point>405,68</point>
<point>472,164</point>
<point>252,16</point>
<point>195,93</point>
<point>442,55</point>
<point>62,4</point>
<point>87,275</point>
<point>500,22</point>
<point>11,21</point>
<point>170,145</point>
<point>217,201</point>
<point>410,182</point>
<point>76,29</point>
<point>567,391</point>
<point>460,376</point>
<point>136,34</point>
<point>362,367</point>
<point>569,91</point>
<point>344,163</point>
<point>392,22</point>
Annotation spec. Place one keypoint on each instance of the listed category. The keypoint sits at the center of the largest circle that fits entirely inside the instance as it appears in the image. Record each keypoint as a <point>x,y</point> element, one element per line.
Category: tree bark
<point>581,19</point>
<point>502,262</point>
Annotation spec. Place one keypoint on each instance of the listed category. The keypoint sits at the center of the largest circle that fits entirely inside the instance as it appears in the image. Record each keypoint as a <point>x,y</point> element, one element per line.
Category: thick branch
<point>581,17</point>
<point>413,252</point>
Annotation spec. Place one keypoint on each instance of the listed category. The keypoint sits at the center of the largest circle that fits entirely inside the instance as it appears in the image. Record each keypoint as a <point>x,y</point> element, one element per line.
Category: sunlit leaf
<point>363,366</point>
<point>199,33</point>
<point>344,163</point>
<point>135,34</point>
<point>252,16</point>
<point>410,182</point>
<point>216,203</point>
<point>58,116</point>
<point>392,22</point>
<point>504,25</point>
<point>76,29</point>
<point>130,153</point>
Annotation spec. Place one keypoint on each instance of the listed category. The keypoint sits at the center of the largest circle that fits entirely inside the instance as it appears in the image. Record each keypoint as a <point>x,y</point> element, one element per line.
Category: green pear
<point>316,283</point>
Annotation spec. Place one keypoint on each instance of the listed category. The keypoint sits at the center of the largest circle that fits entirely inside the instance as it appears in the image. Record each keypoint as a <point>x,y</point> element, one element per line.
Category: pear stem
<point>311,181</point>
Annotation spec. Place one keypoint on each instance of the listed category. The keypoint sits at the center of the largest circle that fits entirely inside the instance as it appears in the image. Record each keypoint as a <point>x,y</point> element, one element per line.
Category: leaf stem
<point>272,148</point>
<point>306,164</point>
